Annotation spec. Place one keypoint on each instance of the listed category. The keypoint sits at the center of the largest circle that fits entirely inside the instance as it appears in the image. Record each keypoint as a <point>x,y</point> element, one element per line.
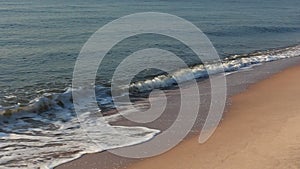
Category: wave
<point>229,64</point>
<point>47,129</point>
<point>57,101</point>
<point>46,146</point>
<point>250,30</point>
<point>46,133</point>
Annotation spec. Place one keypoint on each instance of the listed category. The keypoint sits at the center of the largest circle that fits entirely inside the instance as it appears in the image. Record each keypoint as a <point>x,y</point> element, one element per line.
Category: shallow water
<point>40,41</point>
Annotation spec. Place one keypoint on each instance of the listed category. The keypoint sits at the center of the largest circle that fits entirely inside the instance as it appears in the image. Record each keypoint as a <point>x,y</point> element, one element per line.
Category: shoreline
<point>255,133</point>
<point>107,85</point>
<point>106,160</point>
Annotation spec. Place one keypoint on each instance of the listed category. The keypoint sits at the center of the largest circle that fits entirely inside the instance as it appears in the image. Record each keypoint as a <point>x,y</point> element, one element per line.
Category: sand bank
<point>260,130</point>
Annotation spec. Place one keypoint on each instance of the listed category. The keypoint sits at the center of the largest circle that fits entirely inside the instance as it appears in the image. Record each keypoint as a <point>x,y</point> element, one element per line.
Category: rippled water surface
<point>40,41</point>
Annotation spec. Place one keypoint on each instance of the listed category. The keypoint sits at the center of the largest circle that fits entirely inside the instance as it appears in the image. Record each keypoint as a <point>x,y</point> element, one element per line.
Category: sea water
<point>40,41</point>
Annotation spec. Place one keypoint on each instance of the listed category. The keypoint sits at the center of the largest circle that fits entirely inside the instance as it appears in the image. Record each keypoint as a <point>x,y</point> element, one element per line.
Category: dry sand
<point>261,130</point>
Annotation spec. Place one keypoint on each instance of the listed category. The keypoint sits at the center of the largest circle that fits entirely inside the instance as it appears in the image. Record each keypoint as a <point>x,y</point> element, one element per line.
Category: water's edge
<point>236,82</point>
<point>48,128</point>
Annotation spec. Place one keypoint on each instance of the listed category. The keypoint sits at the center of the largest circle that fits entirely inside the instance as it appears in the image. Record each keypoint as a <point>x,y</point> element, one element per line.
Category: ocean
<point>40,41</point>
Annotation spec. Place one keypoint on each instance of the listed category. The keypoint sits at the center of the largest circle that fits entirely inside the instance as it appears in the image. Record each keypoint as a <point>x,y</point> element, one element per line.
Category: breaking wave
<point>47,128</point>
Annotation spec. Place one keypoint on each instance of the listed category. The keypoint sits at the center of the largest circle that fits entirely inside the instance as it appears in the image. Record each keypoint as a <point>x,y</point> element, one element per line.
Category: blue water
<point>41,39</point>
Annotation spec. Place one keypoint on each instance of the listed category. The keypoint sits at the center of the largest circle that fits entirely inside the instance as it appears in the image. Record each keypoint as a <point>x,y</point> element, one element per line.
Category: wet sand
<point>259,128</point>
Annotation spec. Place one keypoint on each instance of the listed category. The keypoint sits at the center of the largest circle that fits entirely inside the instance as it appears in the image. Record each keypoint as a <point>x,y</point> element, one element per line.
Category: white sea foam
<point>234,63</point>
<point>46,133</point>
<point>54,142</point>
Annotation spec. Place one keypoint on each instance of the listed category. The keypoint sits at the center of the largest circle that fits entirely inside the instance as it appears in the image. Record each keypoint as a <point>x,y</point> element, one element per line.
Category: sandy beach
<point>132,84</point>
<point>260,130</point>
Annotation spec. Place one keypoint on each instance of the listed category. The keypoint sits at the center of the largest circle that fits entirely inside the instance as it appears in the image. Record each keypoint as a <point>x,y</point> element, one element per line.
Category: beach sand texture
<point>260,130</point>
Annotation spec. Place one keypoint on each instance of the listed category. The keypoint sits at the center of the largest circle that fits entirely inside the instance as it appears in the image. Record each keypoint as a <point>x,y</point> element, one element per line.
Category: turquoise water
<point>40,41</point>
